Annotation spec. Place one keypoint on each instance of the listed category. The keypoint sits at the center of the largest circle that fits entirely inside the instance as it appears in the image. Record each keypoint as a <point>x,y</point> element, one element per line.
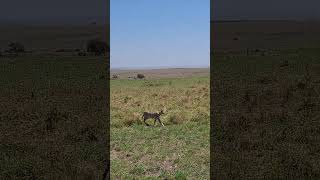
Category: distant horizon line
<point>262,20</point>
<point>55,22</point>
<point>157,67</point>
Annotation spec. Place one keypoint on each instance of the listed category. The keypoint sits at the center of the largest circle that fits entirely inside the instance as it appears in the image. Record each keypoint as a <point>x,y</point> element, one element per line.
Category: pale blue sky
<point>159,33</point>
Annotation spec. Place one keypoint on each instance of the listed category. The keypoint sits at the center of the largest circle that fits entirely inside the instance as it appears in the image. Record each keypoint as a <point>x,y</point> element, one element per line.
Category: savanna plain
<point>53,104</point>
<point>180,149</point>
<point>265,100</point>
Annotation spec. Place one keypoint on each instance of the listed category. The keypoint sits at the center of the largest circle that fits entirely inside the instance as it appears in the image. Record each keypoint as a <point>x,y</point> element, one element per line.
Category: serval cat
<point>155,116</point>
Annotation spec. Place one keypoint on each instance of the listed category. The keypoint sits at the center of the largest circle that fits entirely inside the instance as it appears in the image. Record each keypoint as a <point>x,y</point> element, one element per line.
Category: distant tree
<point>97,47</point>
<point>140,76</point>
<point>15,47</point>
<point>114,76</point>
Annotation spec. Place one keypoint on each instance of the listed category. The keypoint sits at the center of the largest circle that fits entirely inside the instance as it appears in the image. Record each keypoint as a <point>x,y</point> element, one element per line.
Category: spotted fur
<point>155,116</point>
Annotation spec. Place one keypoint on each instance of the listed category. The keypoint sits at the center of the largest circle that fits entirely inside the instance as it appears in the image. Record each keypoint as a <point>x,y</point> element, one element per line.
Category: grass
<point>266,116</point>
<point>179,150</point>
<point>53,117</point>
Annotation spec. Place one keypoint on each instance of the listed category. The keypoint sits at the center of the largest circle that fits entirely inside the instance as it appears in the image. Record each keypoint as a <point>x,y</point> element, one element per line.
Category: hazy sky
<point>53,10</point>
<point>265,9</point>
<point>157,33</point>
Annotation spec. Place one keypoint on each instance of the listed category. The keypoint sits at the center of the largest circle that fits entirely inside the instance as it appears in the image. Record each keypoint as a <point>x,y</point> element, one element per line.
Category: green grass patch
<point>179,150</point>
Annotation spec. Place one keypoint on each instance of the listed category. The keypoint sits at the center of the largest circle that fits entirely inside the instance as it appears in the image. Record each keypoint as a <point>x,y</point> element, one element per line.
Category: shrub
<point>97,47</point>
<point>132,118</point>
<point>114,76</point>
<point>128,122</point>
<point>176,117</point>
<point>200,114</point>
<point>15,47</point>
<point>140,76</point>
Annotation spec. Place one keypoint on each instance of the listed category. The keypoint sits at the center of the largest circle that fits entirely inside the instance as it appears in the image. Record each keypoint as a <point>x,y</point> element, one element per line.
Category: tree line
<point>93,46</point>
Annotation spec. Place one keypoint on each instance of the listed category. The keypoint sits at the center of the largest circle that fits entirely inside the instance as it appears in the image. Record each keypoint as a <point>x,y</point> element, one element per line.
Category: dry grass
<point>178,150</point>
<point>266,116</point>
<point>181,103</point>
<point>52,118</point>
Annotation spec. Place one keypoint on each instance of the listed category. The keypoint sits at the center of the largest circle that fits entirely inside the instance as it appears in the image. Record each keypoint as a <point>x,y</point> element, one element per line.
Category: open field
<point>178,150</point>
<point>162,73</point>
<point>265,114</point>
<point>53,117</point>
<point>265,35</point>
<point>53,110</point>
